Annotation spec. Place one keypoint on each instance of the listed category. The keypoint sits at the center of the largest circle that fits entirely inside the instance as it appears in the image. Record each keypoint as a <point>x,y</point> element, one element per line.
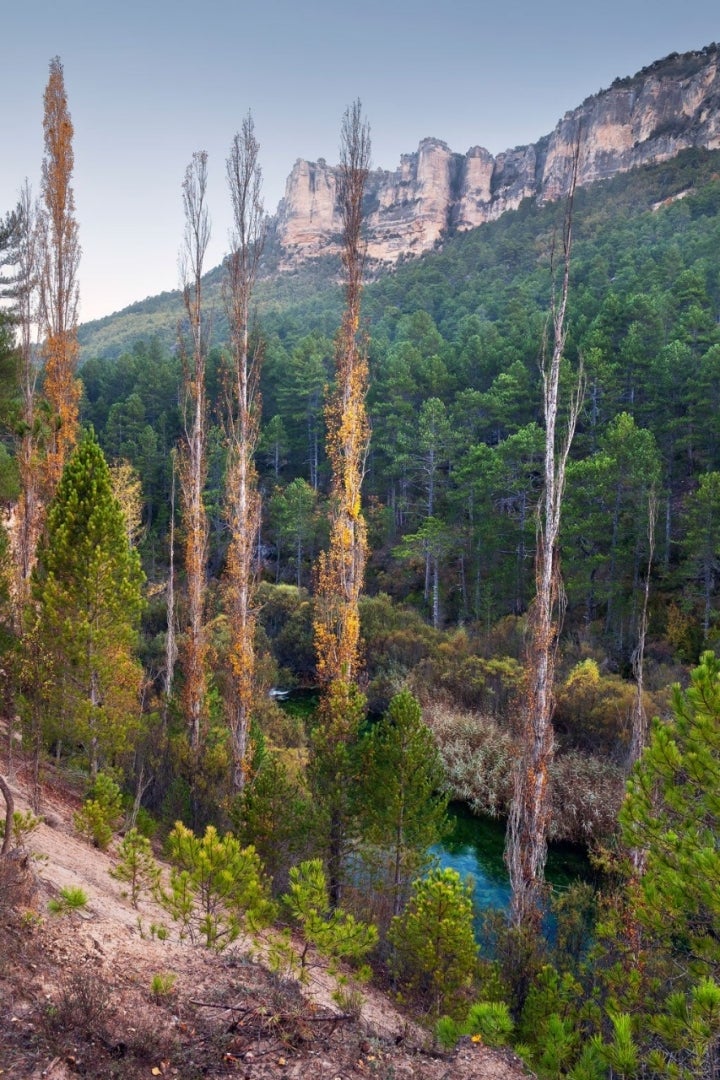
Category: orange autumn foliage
<point>59,260</point>
<point>242,425</point>
<point>340,570</point>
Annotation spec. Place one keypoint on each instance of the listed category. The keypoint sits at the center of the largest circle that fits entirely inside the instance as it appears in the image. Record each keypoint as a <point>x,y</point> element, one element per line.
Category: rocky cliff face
<point>670,106</point>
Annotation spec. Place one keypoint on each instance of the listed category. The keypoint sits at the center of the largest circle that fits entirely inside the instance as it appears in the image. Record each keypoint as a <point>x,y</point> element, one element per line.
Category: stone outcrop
<point>670,106</point>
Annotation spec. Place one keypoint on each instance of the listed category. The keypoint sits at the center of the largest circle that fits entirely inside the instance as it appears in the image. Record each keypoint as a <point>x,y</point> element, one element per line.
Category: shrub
<point>336,933</point>
<point>434,953</point>
<point>488,1021</point>
<point>162,986</point>
<point>137,866</point>
<point>216,886</point>
<point>471,681</point>
<point>101,812</point>
<point>23,825</point>
<point>593,710</point>
<point>477,757</point>
<point>71,898</point>
<point>587,793</point>
<point>81,1008</point>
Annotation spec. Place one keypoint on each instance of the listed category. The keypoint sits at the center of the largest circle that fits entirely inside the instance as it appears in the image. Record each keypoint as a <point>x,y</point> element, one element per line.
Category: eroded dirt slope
<point>76,995</point>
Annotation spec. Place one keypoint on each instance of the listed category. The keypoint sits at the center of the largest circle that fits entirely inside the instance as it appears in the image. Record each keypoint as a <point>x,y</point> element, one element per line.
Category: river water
<point>475,846</point>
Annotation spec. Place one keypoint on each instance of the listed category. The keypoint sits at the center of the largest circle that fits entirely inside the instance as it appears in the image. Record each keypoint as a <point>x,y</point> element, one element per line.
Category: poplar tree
<point>193,447</point>
<point>87,590</point>
<point>243,430</point>
<point>58,287</point>
<point>530,808</point>
<point>341,568</point>
<point>9,243</point>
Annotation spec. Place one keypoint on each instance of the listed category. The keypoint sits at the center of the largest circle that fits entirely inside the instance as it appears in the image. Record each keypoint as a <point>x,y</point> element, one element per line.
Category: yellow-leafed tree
<point>341,568</point>
<point>58,287</point>
<point>193,447</point>
<point>243,428</point>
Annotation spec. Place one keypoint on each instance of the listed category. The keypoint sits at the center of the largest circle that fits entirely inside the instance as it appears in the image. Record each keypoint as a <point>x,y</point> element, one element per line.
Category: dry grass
<point>478,755</point>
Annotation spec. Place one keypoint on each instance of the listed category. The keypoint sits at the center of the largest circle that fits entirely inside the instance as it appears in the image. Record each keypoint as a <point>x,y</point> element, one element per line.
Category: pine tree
<point>701,543</point>
<point>672,812</point>
<point>87,588</point>
<point>334,779</point>
<point>433,941</point>
<point>405,802</point>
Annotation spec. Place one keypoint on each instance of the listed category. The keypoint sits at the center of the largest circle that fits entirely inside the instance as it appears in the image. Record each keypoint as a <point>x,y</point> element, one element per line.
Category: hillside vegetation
<point>455,412</point>
<point>323,823</point>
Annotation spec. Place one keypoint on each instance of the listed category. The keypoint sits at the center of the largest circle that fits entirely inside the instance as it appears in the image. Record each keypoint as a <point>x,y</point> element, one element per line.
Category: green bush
<point>217,887</point>
<point>162,986</point>
<point>100,814</point>
<point>434,954</point>
<point>71,898</point>
<point>334,933</point>
<point>23,824</point>
<point>137,866</point>
<point>489,1021</point>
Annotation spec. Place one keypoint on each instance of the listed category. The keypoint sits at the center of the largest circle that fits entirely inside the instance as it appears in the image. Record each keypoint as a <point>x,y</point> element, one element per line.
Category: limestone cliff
<point>670,106</point>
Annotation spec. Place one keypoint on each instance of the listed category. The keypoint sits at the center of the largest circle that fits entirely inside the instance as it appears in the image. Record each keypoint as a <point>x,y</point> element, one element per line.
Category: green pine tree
<point>334,771</point>
<point>434,950</point>
<point>87,588</point>
<point>672,811</point>
<point>405,803</point>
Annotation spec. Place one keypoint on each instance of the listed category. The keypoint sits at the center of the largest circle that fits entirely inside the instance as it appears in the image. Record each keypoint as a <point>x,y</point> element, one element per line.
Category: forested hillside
<point>305,484</point>
<point>454,405</point>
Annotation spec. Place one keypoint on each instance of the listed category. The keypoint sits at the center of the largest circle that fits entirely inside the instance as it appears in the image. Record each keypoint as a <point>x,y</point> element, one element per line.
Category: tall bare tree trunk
<point>29,511</point>
<point>341,569</point>
<point>243,427</point>
<point>193,449</point>
<point>526,842</point>
<point>60,257</point>
<point>170,642</point>
<point>638,738</point>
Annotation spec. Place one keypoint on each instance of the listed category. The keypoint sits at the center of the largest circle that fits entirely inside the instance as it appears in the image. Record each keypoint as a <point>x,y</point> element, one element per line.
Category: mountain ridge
<point>405,219</point>
<point>669,106</point>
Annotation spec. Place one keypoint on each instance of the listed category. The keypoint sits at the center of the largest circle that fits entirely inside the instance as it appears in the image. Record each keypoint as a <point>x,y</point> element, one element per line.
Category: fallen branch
<point>274,1017</point>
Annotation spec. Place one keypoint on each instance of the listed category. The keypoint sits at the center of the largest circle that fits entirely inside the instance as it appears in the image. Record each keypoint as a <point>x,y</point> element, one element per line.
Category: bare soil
<point>76,998</point>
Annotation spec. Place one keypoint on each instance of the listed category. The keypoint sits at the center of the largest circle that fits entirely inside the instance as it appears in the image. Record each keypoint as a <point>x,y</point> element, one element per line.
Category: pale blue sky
<point>149,83</point>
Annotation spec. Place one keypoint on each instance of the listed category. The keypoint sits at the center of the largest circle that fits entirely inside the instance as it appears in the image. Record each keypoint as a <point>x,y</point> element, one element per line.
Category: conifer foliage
<point>87,589</point>
<point>404,811</point>
<point>672,811</point>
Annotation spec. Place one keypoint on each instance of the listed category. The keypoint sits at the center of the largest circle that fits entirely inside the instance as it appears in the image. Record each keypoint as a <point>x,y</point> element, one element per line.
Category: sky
<point>149,82</point>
